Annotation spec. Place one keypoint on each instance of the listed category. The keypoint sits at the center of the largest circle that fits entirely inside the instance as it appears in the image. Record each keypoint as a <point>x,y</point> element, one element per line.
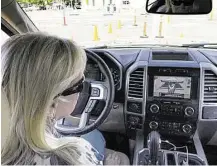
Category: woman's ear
<point>54,105</point>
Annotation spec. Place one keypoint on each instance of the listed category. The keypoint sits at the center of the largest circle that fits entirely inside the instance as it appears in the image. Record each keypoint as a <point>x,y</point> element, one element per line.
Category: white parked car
<point>34,8</point>
<point>57,6</point>
<point>31,8</point>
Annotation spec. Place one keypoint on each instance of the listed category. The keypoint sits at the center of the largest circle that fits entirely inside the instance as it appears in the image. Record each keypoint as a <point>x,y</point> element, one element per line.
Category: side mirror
<point>179,6</point>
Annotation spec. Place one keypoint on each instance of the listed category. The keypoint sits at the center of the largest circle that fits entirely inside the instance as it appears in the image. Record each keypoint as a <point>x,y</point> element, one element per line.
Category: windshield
<point>119,22</point>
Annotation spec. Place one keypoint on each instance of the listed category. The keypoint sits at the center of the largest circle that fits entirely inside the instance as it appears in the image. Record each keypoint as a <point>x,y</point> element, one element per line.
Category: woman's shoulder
<point>54,159</point>
<point>49,160</point>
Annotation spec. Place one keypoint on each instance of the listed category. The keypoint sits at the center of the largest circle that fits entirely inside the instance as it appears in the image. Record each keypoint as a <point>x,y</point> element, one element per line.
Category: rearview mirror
<point>179,6</point>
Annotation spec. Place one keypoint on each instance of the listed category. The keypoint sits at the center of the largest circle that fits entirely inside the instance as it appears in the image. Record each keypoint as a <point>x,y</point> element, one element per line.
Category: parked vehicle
<point>58,6</point>
<point>42,8</point>
<point>78,5</point>
<point>33,8</point>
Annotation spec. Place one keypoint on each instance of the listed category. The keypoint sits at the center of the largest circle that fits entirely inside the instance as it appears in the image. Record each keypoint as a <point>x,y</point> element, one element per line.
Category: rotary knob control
<point>189,111</point>
<point>154,108</point>
<point>187,128</point>
<point>153,125</point>
<point>134,121</point>
<point>134,106</point>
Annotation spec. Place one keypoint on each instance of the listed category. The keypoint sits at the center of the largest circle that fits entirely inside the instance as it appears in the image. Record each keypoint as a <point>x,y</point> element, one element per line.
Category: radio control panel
<point>172,108</point>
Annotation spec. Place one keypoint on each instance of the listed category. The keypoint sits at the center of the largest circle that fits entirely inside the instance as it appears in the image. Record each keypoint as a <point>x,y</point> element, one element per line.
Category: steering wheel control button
<point>153,125</point>
<point>90,106</point>
<point>187,128</point>
<point>95,92</point>
<point>154,108</point>
<point>189,111</point>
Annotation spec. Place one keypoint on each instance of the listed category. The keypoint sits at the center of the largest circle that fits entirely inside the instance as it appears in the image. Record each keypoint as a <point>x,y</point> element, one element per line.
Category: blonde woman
<point>37,70</point>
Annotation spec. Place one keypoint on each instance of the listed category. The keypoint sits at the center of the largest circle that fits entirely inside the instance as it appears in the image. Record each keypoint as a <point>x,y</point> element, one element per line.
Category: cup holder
<point>192,160</point>
<point>169,158</point>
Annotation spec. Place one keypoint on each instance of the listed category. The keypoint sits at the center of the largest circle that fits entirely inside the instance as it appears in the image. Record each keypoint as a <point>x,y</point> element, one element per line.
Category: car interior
<point>157,105</point>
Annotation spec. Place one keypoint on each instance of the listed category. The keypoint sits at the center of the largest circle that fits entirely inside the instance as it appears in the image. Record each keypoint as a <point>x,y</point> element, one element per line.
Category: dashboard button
<point>115,106</point>
<point>167,102</point>
<point>189,111</point>
<point>153,125</point>
<point>186,128</point>
<point>154,108</point>
<point>181,71</point>
<point>165,70</point>
<point>134,107</point>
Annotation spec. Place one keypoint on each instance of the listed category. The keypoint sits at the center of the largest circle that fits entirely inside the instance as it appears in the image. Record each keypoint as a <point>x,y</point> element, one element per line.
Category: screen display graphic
<point>175,87</point>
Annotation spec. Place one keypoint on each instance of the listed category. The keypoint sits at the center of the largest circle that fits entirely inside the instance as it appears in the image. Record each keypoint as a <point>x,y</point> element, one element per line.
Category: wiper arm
<point>199,45</point>
<point>98,47</point>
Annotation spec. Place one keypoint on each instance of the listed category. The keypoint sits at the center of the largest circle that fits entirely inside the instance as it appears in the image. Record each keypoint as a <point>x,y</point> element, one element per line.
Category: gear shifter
<point>154,145</point>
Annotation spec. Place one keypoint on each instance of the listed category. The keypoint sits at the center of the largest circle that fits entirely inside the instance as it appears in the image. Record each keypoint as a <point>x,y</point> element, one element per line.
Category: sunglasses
<point>77,88</point>
<point>185,2</point>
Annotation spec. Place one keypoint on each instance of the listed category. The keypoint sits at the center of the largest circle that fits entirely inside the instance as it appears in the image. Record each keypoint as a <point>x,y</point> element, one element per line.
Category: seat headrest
<point>5,117</point>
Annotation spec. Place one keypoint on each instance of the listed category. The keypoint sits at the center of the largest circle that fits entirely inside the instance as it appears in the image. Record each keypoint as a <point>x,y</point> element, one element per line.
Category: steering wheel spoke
<point>83,120</point>
<point>67,129</point>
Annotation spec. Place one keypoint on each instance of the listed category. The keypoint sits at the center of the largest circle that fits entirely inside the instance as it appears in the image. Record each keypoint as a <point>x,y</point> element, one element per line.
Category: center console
<point>166,100</point>
<point>163,96</point>
<point>165,155</point>
<point>172,101</point>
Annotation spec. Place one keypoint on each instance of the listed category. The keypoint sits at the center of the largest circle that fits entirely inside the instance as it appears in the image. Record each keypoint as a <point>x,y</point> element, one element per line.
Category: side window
<point>4,37</point>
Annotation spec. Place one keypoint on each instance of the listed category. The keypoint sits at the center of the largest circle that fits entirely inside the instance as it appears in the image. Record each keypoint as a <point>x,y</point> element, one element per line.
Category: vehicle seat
<point>5,118</point>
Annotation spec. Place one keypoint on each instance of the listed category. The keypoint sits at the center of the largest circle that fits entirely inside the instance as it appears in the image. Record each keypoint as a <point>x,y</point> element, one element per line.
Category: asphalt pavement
<point>126,26</point>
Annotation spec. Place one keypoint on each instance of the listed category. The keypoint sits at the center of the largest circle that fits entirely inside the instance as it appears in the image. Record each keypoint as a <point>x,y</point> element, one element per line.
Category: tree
<point>23,1</point>
<point>36,2</point>
<point>44,2</point>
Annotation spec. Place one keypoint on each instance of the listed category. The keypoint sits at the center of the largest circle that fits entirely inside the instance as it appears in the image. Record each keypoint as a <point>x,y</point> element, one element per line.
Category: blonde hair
<point>35,68</point>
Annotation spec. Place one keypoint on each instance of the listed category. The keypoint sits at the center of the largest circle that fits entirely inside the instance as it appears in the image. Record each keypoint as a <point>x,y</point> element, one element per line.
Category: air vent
<point>210,87</point>
<point>136,83</point>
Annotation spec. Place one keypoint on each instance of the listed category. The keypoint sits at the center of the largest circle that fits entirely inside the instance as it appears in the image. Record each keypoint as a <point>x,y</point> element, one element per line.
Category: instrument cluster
<point>93,72</point>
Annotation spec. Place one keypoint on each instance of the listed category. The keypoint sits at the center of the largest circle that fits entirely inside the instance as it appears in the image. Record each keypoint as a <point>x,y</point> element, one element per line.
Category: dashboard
<point>170,90</point>
<point>93,71</point>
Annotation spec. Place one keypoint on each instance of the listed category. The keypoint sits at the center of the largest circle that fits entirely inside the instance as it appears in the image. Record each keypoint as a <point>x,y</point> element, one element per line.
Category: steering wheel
<point>95,91</point>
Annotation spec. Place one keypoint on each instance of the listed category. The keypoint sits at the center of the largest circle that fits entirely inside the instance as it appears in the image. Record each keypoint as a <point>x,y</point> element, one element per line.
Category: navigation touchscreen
<point>175,87</point>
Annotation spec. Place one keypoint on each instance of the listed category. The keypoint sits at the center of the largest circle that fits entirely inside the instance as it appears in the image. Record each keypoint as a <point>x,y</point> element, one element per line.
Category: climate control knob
<point>154,108</point>
<point>153,125</point>
<point>133,106</point>
<point>187,128</point>
<point>134,120</point>
<point>189,111</point>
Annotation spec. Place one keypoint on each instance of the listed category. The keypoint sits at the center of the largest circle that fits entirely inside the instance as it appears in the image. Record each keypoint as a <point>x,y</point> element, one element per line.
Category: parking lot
<point>96,27</point>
